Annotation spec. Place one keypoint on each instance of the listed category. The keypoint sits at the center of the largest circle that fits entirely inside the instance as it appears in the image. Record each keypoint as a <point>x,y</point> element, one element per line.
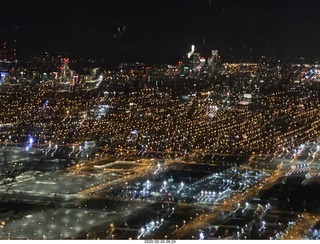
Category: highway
<point>299,231</point>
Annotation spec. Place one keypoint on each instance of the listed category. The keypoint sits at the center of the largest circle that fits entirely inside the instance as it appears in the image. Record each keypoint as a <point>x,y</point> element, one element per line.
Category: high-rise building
<point>189,54</point>
<point>64,68</point>
<point>213,61</point>
<point>9,51</point>
<point>4,56</point>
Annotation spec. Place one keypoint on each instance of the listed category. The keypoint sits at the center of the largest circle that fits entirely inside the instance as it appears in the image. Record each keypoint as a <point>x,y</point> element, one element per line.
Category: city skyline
<point>160,121</point>
<point>159,32</point>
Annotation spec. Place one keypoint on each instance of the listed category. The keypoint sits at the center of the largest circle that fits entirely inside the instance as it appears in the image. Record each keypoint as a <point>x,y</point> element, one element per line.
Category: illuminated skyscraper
<point>189,54</point>
<point>9,52</point>
<point>213,61</point>
<point>4,54</point>
<point>64,68</point>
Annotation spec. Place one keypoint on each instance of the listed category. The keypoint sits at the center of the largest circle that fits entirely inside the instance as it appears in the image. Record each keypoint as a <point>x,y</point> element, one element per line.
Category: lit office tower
<point>5,50</point>
<point>202,63</point>
<point>215,55</point>
<point>64,68</point>
<point>9,52</point>
<point>189,54</point>
<point>195,61</point>
<point>14,50</point>
<point>213,61</point>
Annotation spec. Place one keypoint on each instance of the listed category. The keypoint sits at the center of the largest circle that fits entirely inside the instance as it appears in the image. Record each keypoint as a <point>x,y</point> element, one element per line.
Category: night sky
<point>162,31</point>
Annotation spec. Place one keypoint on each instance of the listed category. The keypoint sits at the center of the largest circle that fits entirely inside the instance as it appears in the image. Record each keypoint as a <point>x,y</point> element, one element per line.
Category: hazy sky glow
<point>156,31</point>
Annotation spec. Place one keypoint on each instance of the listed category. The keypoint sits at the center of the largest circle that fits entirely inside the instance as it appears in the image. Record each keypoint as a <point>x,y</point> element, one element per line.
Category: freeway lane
<point>299,231</point>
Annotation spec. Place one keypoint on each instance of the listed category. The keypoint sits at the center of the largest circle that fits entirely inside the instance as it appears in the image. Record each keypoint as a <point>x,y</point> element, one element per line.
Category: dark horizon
<point>163,31</point>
